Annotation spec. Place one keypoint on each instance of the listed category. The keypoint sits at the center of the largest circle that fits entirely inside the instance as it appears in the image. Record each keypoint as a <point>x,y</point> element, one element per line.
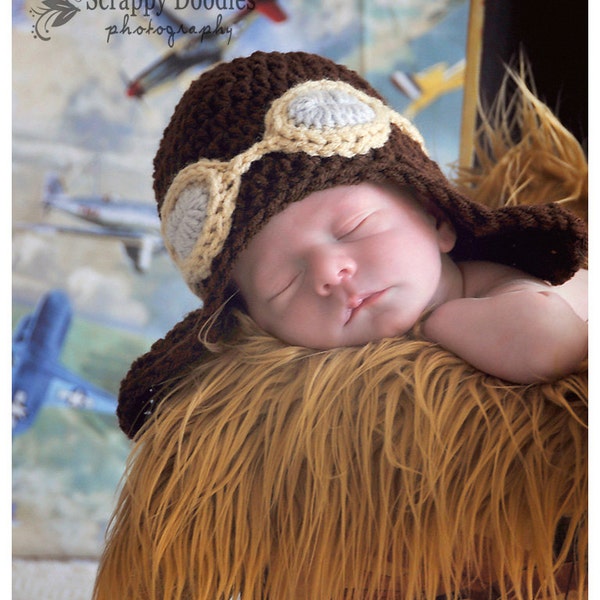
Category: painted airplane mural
<point>135,223</point>
<point>38,377</point>
<point>428,85</point>
<point>203,50</point>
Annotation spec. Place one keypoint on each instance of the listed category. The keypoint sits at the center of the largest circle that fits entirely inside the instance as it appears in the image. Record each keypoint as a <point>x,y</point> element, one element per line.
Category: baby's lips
<point>359,301</point>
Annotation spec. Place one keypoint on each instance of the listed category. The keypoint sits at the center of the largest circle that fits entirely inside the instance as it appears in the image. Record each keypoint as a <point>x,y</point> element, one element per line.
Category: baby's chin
<point>376,329</point>
<point>347,341</point>
<point>376,334</point>
<point>321,343</point>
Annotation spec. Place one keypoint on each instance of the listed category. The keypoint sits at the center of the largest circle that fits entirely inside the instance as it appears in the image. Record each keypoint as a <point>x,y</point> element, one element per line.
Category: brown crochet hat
<point>250,137</point>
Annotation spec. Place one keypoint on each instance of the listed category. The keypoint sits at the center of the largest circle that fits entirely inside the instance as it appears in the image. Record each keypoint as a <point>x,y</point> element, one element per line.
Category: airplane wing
<point>426,86</point>
<point>122,234</point>
<point>140,246</point>
<point>165,17</point>
<point>38,378</point>
<point>41,383</point>
<point>168,20</point>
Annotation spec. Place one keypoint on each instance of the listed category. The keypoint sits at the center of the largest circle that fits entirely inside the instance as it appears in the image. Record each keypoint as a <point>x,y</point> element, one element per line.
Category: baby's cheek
<point>385,324</point>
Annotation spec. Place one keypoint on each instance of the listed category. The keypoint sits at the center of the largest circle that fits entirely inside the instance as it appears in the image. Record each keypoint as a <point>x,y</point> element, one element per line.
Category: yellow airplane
<point>428,85</point>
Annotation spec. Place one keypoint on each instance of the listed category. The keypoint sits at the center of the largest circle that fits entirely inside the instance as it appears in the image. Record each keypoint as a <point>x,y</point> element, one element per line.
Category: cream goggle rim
<point>321,118</point>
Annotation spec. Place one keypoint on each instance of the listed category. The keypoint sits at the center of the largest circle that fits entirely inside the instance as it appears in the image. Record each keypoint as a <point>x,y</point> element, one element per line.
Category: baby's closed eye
<point>359,226</point>
<point>284,287</point>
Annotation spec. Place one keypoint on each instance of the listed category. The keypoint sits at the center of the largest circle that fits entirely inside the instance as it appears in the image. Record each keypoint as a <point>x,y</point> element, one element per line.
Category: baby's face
<point>343,267</point>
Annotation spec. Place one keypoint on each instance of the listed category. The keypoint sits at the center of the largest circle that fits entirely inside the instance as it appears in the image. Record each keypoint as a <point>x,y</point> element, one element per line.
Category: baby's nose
<point>331,269</point>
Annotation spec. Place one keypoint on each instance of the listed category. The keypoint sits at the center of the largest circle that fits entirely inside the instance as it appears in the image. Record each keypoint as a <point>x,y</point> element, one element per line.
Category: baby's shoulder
<point>484,278</point>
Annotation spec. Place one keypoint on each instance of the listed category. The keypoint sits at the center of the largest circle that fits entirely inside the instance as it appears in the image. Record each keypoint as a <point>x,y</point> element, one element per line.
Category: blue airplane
<point>38,378</point>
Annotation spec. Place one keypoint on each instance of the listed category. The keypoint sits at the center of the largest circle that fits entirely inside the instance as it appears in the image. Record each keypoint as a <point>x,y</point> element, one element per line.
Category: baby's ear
<point>446,235</point>
<point>445,230</point>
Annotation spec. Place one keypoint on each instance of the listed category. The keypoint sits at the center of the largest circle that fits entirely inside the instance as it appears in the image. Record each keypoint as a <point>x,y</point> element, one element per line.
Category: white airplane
<point>136,224</point>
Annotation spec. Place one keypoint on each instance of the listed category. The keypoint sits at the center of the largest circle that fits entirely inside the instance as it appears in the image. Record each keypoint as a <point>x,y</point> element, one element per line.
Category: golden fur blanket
<point>393,470</point>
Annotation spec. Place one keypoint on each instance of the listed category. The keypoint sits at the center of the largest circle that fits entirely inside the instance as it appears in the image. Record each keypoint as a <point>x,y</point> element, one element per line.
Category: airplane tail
<point>52,187</point>
<point>272,10</point>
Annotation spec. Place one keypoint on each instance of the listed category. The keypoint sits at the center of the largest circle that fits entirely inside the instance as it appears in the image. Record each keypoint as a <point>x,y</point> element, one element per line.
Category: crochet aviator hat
<point>250,137</point>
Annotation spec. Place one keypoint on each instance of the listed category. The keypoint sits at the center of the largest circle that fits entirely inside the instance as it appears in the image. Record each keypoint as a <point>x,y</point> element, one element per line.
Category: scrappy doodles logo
<point>52,13</point>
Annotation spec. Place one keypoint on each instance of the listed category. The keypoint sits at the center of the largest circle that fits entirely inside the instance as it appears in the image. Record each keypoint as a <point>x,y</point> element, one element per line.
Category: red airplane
<point>205,47</point>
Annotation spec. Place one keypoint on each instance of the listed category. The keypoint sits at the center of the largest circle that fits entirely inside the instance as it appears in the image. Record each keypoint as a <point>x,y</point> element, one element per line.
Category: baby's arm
<point>524,336</point>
